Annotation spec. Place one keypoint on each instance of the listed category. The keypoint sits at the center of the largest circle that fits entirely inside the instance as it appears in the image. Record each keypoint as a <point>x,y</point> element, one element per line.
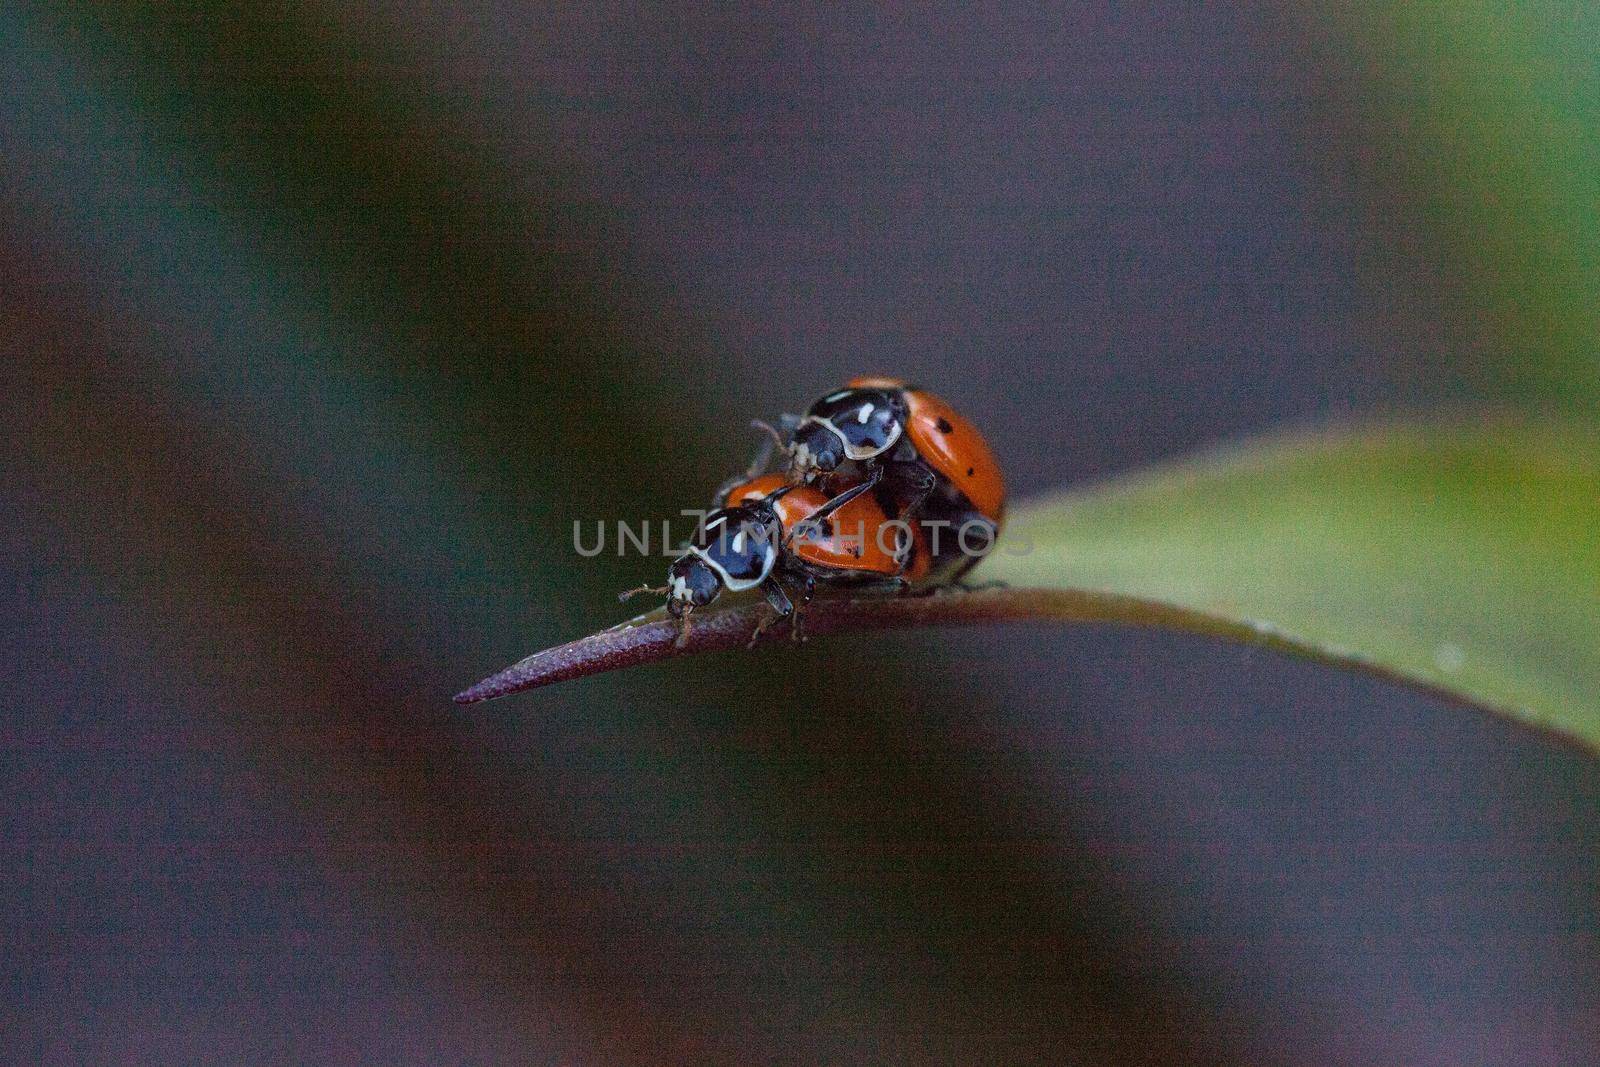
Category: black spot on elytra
<point>855,551</point>
<point>944,425</point>
<point>827,527</point>
<point>969,472</point>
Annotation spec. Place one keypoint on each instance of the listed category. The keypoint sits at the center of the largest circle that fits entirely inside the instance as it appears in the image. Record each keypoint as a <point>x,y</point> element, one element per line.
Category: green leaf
<point>1485,114</point>
<point>1467,559</point>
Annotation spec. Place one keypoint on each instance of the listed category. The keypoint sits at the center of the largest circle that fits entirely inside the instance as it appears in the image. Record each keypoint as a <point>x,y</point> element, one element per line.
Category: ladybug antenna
<point>646,588</point>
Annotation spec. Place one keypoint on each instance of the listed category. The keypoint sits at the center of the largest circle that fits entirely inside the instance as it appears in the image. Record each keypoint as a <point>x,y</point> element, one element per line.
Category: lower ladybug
<point>784,539</point>
<point>926,461</point>
<point>845,539</point>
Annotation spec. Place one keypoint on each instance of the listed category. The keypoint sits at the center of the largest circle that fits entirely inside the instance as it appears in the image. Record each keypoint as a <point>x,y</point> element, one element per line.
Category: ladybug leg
<point>807,591</point>
<point>683,628</point>
<point>766,620</point>
<point>841,500</point>
<point>886,586</point>
<point>772,443</point>
<point>907,550</point>
<point>921,482</point>
<point>958,580</point>
<point>978,587</point>
<point>782,608</point>
<point>916,479</point>
<point>777,441</point>
<point>763,458</point>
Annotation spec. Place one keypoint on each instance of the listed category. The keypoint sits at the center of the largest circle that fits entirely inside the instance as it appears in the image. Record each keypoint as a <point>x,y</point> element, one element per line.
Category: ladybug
<point>784,539</point>
<point>838,542</point>
<point>926,460</point>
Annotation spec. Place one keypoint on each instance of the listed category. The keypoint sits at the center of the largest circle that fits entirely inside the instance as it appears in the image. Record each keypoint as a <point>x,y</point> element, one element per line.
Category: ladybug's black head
<point>691,583</point>
<point>853,424</point>
<point>735,549</point>
<point>814,449</point>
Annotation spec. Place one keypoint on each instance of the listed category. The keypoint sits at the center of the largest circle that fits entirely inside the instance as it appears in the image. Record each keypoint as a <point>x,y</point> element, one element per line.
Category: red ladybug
<point>926,462</point>
<point>847,542</point>
<point>784,539</point>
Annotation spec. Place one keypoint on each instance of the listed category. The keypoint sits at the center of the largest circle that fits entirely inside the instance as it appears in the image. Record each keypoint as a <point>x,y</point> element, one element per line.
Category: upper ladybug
<point>926,459</point>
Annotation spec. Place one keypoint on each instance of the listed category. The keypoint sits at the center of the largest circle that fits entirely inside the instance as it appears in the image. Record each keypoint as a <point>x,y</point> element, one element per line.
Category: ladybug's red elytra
<point>928,464</point>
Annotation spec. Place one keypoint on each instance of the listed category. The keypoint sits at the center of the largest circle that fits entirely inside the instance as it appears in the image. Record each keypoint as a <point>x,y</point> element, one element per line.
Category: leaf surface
<point>1466,558</point>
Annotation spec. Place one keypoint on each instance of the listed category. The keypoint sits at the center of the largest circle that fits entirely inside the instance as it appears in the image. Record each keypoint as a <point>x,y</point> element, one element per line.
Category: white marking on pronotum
<point>840,395</point>
<point>729,582</point>
<point>738,540</point>
<point>714,523</point>
<point>680,587</point>
<point>865,452</point>
<point>864,414</point>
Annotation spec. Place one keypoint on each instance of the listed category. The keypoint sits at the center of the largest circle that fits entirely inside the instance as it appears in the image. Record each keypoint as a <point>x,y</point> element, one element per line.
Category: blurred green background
<point>323,323</point>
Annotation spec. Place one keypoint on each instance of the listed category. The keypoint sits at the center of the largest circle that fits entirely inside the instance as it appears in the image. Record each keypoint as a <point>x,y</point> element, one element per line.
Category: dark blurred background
<point>321,326</point>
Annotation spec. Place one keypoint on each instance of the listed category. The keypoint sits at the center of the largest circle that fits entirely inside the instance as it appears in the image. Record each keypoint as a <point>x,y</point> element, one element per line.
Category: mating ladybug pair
<point>884,487</point>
